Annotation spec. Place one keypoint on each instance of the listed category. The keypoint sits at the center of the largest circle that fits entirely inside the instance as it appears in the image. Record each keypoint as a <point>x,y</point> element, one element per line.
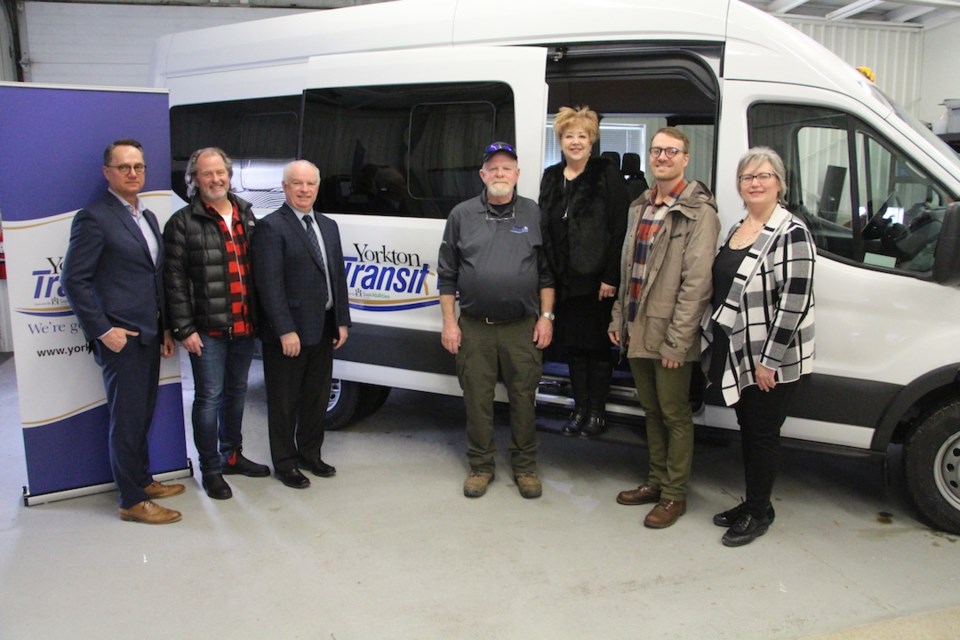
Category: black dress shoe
<point>293,478</point>
<point>594,425</point>
<point>237,464</point>
<point>745,530</point>
<point>729,517</point>
<point>216,487</point>
<point>575,423</point>
<point>319,468</point>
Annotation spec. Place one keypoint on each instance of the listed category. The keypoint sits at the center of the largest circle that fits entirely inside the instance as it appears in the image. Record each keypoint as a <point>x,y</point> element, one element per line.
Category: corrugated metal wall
<point>894,52</point>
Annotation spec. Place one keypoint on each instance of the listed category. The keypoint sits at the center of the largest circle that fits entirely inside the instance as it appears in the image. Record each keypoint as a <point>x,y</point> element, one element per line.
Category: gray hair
<point>287,169</point>
<point>759,155</point>
<point>190,176</point>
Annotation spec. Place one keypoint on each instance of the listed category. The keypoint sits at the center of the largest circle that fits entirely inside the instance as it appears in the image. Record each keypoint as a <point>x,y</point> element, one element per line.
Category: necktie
<point>315,245</point>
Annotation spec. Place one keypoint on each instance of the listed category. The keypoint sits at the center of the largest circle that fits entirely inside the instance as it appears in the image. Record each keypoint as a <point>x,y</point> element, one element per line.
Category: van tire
<point>932,466</point>
<point>342,406</point>
<point>372,397</point>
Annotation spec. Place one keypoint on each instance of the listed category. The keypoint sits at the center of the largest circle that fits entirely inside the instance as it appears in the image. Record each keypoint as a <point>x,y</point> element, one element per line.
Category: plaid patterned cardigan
<point>768,313</point>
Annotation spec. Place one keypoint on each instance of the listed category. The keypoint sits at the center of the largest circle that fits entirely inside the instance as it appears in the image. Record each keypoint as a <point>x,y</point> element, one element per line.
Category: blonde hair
<point>579,116</point>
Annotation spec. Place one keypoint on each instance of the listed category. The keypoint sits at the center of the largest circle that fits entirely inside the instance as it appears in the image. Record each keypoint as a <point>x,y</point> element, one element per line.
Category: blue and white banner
<point>51,153</point>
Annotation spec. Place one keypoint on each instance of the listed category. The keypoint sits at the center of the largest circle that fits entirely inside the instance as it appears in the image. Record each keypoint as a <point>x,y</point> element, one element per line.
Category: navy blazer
<point>289,281</point>
<point>108,275</point>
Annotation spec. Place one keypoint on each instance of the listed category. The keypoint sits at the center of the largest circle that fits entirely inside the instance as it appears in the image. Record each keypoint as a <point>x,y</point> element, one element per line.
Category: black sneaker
<point>236,464</point>
<point>745,530</point>
<point>729,517</point>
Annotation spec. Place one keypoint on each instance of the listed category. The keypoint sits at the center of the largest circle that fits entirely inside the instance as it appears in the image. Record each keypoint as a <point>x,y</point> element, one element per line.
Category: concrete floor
<point>390,548</point>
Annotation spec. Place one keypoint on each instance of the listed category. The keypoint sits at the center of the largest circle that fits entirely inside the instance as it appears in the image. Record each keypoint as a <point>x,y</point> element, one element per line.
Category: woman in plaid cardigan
<point>758,331</point>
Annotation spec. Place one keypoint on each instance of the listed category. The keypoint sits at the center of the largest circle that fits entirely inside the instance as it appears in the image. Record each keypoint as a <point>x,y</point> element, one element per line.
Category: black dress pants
<point>298,392</point>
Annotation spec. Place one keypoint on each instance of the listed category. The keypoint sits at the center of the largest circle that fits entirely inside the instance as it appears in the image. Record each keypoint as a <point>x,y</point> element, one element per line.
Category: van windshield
<point>924,131</point>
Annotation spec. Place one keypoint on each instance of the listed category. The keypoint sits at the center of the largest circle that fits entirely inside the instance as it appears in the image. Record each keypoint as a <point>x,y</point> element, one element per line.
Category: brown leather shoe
<point>665,514</point>
<point>149,512</point>
<point>155,490</point>
<point>644,494</point>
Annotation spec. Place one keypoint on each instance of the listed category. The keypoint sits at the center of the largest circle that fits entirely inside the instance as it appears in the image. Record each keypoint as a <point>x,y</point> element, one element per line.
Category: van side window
<point>404,150</point>
<point>399,150</point>
<point>862,199</point>
<point>261,135</point>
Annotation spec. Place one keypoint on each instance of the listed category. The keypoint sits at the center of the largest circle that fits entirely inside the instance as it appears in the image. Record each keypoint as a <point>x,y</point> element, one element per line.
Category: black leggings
<point>761,414</point>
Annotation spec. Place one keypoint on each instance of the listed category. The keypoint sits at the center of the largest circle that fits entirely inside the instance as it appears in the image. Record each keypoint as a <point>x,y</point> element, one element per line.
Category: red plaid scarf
<point>238,269</point>
<point>650,223</point>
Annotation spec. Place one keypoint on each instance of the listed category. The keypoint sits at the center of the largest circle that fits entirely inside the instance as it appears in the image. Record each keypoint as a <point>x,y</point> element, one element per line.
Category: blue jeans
<point>220,386</point>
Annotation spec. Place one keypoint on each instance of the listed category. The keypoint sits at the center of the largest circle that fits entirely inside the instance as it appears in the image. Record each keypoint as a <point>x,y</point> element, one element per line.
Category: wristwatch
<point>549,316</point>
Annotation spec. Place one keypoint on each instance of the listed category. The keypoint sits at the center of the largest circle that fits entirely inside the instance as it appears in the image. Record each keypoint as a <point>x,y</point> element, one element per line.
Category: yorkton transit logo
<point>49,309</point>
<point>384,279</point>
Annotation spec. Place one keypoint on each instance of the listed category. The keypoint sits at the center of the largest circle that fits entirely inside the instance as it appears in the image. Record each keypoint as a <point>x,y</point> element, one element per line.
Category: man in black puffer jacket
<point>209,287</point>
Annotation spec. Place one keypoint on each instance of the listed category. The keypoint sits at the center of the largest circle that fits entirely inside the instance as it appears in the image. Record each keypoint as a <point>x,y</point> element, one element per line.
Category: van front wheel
<point>342,405</point>
<point>932,466</point>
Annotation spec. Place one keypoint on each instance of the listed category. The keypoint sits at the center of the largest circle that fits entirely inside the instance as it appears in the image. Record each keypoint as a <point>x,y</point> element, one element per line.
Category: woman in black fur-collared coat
<point>584,202</point>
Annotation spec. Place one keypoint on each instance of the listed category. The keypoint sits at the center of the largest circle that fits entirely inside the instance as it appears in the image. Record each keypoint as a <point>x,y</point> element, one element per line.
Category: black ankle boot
<point>577,419</point>
<point>594,425</point>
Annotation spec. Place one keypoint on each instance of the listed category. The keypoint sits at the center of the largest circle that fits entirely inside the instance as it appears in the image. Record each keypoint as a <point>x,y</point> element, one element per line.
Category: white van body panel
<point>546,21</point>
<point>276,42</point>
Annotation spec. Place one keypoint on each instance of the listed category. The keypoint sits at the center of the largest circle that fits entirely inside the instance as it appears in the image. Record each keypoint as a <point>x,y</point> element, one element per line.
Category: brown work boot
<point>529,484</point>
<point>155,490</point>
<point>476,483</point>
<point>665,514</point>
<point>644,494</point>
<point>149,512</point>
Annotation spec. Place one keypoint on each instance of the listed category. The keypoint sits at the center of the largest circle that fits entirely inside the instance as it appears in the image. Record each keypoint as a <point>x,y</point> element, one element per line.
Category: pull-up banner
<point>51,153</point>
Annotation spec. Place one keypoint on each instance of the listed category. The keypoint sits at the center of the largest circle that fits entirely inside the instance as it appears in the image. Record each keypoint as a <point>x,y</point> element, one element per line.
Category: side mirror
<point>946,262</point>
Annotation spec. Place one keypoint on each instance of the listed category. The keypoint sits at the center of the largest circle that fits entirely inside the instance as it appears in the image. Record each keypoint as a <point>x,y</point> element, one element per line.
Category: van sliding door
<point>398,137</point>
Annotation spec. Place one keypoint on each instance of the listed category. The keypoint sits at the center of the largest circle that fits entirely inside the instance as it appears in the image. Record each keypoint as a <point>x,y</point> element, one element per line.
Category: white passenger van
<point>394,102</point>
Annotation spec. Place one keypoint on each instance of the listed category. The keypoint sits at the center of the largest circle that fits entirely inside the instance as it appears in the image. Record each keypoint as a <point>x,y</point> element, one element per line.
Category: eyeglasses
<point>500,146</point>
<point>138,168</point>
<point>747,178</point>
<point>669,151</point>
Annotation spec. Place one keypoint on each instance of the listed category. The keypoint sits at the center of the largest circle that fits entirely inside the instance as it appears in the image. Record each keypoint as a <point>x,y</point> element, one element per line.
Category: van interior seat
<point>613,157</point>
<point>633,174</point>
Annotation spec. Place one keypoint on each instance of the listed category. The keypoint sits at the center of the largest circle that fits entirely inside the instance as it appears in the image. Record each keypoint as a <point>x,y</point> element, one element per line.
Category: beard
<point>499,189</point>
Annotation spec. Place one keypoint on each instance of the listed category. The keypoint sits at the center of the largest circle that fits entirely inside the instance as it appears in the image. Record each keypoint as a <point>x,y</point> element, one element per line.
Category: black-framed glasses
<point>747,178</point>
<point>500,146</point>
<point>138,168</point>
<point>669,151</point>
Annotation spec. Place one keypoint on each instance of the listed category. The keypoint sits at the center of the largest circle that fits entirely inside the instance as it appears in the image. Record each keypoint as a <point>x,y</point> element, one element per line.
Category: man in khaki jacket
<point>666,279</point>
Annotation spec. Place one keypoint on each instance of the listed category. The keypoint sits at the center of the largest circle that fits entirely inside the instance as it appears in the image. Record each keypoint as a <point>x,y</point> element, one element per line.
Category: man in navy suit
<point>302,290</point>
<point>113,278</point>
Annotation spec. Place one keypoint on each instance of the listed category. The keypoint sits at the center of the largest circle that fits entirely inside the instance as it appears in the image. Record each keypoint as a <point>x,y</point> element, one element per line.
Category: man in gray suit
<point>113,278</point>
<point>302,290</point>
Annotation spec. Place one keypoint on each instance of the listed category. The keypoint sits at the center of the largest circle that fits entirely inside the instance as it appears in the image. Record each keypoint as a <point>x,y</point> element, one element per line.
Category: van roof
<point>433,23</point>
<point>756,45</point>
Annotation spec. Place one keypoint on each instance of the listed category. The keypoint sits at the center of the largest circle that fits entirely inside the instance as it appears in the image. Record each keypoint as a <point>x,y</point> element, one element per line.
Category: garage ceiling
<point>926,13</point>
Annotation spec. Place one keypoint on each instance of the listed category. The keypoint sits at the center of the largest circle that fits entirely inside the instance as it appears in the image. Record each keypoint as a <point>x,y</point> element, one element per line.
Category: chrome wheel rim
<point>335,390</point>
<point>947,470</point>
